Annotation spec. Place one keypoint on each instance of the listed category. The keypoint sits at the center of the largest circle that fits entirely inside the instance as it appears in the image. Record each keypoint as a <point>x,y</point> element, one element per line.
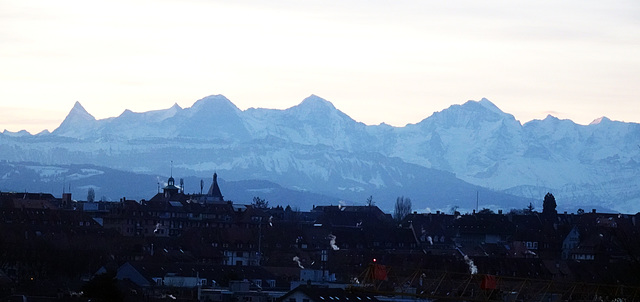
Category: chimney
<point>593,211</point>
<point>500,212</point>
<point>437,212</point>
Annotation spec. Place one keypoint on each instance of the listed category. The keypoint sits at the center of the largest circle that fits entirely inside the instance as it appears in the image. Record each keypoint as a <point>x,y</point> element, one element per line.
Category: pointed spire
<point>214,190</point>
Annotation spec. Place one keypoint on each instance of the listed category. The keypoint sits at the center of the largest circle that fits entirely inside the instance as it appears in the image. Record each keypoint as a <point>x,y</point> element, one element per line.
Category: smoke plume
<point>472,267</point>
<point>332,242</point>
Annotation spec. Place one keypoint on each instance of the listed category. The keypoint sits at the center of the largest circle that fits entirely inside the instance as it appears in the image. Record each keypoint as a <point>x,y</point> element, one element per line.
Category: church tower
<point>214,193</point>
<point>170,189</point>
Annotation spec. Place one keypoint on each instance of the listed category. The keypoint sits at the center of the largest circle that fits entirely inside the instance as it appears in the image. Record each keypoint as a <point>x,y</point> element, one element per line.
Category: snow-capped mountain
<point>446,159</point>
<point>78,123</point>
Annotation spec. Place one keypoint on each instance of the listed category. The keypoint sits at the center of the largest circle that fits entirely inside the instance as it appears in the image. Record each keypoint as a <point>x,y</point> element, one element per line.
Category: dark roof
<point>213,272</point>
<point>320,294</point>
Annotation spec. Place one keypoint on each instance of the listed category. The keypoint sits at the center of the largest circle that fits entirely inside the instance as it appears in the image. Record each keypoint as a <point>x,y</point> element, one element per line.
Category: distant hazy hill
<point>451,158</point>
<point>111,185</point>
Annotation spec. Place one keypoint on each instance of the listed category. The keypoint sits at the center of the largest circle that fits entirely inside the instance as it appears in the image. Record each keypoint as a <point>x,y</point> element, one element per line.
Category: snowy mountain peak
<point>313,106</point>
<point>126,112</point>
<point>551,118</point>
<point>599,120</point>
<point>78,112</point>
<point>21,133</point>
<point>468,115</point>
<point>316,102</point>
<point>217,101</point>
<point>491,106</point>
<point>43,133</point>
<point>77,123</point>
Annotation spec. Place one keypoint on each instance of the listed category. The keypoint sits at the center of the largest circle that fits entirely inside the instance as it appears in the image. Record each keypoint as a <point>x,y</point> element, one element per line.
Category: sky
<point>378,61</point>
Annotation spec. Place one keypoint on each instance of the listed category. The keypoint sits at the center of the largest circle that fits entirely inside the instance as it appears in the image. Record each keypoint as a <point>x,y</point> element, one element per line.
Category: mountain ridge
<point>475,141</point>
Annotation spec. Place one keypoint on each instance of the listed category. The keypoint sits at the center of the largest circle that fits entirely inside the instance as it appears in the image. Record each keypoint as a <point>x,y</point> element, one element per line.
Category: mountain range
<point>470,155</point>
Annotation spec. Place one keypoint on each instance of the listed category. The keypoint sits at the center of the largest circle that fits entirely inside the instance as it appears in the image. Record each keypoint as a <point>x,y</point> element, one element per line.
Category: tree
<point>516,212</point>
<point>403,208</point>
<point>529,209</point>
<point>260,203</point>
<point>486,211</point>
<point>370,202</point>
<point>549,205</point>
<point>91,195</point>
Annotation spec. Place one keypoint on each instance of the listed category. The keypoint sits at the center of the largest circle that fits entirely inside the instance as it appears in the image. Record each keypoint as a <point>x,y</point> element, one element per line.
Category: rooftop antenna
<point>171,168</point>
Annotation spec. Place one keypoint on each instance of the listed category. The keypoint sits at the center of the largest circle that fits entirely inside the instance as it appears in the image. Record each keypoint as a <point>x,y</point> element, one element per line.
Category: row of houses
<point>205,244</point>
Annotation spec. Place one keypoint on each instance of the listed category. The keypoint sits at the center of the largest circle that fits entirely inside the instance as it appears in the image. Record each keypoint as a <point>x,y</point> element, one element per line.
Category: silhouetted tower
<point>214,193</point>
<point>171,188</point>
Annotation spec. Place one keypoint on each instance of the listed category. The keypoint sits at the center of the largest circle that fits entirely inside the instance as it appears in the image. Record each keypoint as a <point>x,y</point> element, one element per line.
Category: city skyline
<point>377,61</point>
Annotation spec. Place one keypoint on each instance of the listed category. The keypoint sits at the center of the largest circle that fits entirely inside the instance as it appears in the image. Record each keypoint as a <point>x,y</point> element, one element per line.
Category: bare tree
<point>370,202</point>
<point>402,209</point>
<point>260,203</point>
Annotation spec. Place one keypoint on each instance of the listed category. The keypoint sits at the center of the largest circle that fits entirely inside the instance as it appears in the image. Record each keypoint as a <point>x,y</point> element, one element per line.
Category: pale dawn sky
<point>378,61</point>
